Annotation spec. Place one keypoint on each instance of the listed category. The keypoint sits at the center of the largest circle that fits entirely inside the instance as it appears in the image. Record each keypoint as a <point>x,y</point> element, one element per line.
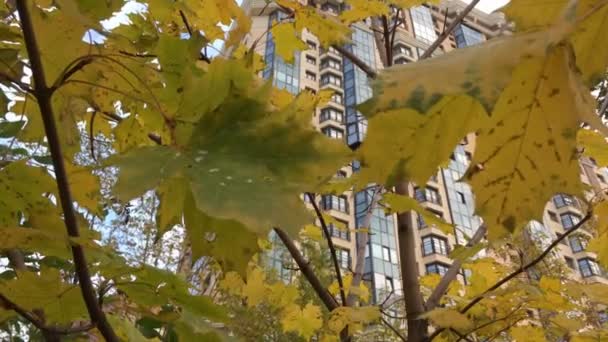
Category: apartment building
<point>316,68</point>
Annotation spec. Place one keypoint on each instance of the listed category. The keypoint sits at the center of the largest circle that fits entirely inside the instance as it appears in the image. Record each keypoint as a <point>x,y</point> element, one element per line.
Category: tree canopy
<point>138,128</point>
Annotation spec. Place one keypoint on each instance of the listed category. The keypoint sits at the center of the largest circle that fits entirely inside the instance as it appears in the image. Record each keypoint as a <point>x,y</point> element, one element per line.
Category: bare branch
<point>449,29</point>
<point>324,295</point>
<point>361,241</point>
<point>187,24</point>
<point>521,269</point>
<point>395,330</point>
<point>43,94</point>
<point>452,272</point>
<point>330,244</point>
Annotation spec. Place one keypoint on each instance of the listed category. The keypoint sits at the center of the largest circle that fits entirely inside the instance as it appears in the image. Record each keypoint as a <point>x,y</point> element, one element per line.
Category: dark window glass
<point>589,267</point>
<point>569,220</point>
<point>437,268</point>
<point>432,244</point>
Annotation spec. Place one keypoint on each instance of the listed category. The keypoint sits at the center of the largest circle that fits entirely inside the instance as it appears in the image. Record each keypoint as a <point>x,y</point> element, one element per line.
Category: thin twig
<point>520,269</point>
<point>43,94</point>
<point>452,272</point>
<point>330,244</point>
<point>324,295</point>
<point>449,30</point>
<point>187,24</point>
<point>394,330</point>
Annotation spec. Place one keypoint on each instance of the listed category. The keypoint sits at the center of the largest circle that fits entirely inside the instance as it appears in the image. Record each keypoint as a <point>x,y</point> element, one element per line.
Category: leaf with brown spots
<point>22,188</point>
<point>527,152</point>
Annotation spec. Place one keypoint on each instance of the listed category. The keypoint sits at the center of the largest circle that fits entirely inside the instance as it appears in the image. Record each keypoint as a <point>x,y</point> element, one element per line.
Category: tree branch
<point>43,94</point>
<point>394,330</point>
<point>326,297</point>
<point>417,327</point>
<point>452,272</point>
<point>521,269</point>
<point>187,24</point>
<point>449,29</point>
<point>330,244</point>
<point>361,242</point>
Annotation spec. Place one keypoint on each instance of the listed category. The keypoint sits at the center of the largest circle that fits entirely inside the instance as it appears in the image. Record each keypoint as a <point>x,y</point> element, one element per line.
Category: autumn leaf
<point>527,152</point>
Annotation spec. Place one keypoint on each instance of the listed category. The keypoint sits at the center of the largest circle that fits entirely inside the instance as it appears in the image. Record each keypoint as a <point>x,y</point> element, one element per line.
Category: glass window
<point>311,76</point>
<point>311,60</point>
<point>437,268</point>
<point>339,232</point>
<point>562,200</point>
<point>569,220</point>
<point>337,98</point>
<point>330,78</point>
<point>577,243</point>
<point>311,45</point>
<point>467,36</point>
<point>427,194</point>
<point>460,196</point>
<point>331,63</point>
<point>432,244</point>
<point>386,253</point>
<point>343,257</point>
<point>422,20</point>
<point>331,114</point>
<point>402,49</point>
<point>589,267</point>
<point>332,132</point>
<point>335,202</point>
<point>420,221</point>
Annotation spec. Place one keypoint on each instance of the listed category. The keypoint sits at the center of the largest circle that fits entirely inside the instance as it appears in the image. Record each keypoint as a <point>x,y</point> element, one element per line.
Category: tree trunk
<point>417,329</point>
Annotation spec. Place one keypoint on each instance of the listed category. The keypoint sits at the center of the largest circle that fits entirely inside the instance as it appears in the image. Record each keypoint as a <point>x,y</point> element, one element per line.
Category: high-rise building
<point>316,68</point>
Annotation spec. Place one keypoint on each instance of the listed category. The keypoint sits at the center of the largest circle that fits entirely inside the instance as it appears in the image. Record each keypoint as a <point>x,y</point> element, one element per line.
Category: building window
<point>402,49</point>
<point>331,63</point>
<point>460,196</point>
<point>577,243</point>
<point>436,268</point>
<point>389,284</point>
<point>400,60</point>
<point>311,60</point>
<point>337,98</point>
<point>562,200</point>
<point>569,220</point>
<point>331,8</point>
<point>422,20</point>
<point>570,263</point>
<point>427,194</point>
<point>432,244</point>
<point>552,216</point>
<point>311,76</point>
<point>311,45</point>
<point>589,267</point>
<point>386,253</point>
<point>332,132</point>
<point>343,258</point>
<point>337,232</point>
<point>341,174</point>
<point>335,202</point>
<point>601,178</point>
<point>467,36</point>
<point>331,114</point>
<point>333,79</point>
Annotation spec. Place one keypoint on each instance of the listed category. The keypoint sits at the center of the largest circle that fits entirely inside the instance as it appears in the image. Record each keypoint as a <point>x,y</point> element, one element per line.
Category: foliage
<point>189,160</point>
